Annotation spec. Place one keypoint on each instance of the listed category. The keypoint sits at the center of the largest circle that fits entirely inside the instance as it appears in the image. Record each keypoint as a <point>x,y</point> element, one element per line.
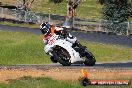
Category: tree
<point>26,4</point>
<point>71,12</point>
<point>116,12</point>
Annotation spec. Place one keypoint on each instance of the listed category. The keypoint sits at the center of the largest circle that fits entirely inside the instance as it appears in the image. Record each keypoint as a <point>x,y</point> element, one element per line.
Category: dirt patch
<point>63,74</point>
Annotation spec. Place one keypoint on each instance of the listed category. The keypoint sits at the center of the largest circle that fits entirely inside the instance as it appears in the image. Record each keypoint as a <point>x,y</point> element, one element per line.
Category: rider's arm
<point>62,31</point>
<point>58,28</point>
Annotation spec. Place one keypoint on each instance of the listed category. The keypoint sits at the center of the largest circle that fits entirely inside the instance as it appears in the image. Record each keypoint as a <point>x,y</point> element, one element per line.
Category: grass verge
<point>28,82</point>
<point>87,8</point>
<point>107,52</point>
<point>27,48</point>
<point>21,48</point>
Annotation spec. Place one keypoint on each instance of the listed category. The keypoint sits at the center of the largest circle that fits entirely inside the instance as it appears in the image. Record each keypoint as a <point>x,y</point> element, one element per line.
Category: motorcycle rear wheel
<point>90,59</point>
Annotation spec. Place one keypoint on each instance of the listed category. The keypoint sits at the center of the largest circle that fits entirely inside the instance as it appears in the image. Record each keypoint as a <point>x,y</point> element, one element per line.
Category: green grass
<point>27,48</point>
<point>21,48</point>
<point>107,52</point>
<point>28,82</point>
<point>87,9</point>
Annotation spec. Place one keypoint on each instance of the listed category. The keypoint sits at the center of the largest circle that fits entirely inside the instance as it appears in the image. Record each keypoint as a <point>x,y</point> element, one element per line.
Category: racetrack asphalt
<point>112,65</point>
<point>101,38</point>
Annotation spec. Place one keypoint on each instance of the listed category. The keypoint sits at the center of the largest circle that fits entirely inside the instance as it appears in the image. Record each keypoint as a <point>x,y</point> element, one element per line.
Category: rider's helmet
<point>44,27</point>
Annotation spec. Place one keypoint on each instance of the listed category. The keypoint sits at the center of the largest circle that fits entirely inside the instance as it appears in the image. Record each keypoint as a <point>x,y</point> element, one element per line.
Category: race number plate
<point>51,41</point>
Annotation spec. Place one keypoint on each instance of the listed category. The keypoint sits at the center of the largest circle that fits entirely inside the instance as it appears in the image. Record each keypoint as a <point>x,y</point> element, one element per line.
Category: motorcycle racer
<point>63,47</point>
<point>48,30</point>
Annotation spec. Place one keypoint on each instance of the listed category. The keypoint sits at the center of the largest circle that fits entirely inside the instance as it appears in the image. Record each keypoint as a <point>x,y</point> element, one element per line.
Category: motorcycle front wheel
<point>63,56</point>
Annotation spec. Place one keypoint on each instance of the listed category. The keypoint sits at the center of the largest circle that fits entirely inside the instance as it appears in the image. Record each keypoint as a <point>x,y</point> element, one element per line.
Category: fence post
<point>25,20</point>
<point>73,22</point>
<point>99,25</point>
<point>127,31</point>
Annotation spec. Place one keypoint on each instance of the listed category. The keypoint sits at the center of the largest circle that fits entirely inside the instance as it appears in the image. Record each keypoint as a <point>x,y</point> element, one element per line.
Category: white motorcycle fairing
<point>75,57</point>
